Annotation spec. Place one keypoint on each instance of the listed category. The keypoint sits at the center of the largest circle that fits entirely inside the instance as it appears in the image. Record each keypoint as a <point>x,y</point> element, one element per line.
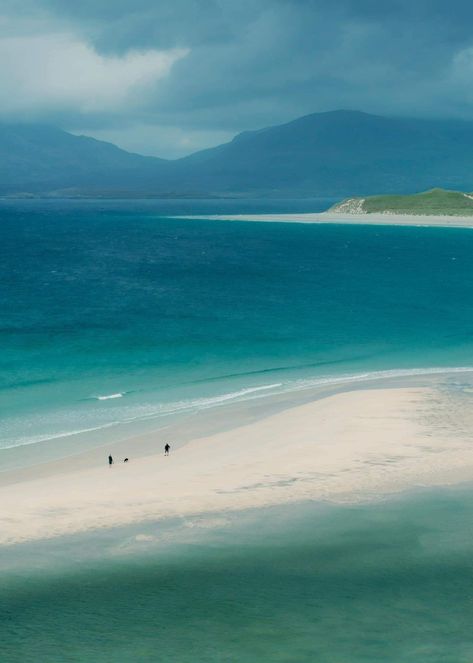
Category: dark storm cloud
<point>183,73</point>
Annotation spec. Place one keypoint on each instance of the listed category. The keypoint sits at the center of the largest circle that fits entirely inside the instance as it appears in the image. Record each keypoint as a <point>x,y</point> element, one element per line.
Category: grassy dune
<point>434,202</point>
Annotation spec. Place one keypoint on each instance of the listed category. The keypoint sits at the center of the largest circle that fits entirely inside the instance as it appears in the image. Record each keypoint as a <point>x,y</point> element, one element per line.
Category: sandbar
<point>374,219</point>
<point>348,447</point>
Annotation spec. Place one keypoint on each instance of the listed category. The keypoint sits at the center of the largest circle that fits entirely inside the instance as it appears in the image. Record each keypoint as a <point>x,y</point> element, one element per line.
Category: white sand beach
<point>352,446</point>
<point>347,219</point>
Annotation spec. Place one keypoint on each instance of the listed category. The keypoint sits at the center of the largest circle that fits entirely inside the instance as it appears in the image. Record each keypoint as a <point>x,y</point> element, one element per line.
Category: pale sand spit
<point>352,446</point>
<point>385,219</point>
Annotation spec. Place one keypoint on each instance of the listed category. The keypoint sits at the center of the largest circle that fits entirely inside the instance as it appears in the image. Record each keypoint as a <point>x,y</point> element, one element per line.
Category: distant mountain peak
<point>332,153</point>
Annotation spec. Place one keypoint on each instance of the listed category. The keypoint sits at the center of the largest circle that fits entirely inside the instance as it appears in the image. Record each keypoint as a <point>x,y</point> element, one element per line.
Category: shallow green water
<point>391,582</point>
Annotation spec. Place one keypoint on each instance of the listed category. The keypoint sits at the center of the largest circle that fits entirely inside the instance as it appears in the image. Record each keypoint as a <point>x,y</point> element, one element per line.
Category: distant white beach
<point>346,219</point>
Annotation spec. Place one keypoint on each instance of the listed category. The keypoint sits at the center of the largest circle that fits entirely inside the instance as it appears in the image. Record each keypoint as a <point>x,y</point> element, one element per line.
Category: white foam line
<point>57,436</point>
<point>377,375</point>
<point>162,411</point>
<point>168,409</point>
<point>106,398</point>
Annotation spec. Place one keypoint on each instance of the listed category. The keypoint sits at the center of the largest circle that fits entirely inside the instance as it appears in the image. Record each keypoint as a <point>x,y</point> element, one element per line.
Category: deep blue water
<point>107,298</point>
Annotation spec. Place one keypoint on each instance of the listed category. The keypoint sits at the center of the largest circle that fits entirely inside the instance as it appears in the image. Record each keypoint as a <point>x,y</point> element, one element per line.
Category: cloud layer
<point>57,72</point>
<point>172,76</point>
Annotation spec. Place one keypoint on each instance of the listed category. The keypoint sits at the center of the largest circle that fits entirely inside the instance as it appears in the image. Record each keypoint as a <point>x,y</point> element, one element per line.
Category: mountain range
<point>338,153</point>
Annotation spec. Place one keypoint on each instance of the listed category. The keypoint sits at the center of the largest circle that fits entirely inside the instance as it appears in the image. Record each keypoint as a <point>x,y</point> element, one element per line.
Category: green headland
<point>439,202</point>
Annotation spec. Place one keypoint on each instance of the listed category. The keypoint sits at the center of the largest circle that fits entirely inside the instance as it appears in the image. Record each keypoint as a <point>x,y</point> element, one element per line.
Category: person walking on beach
<point>166,449</point>
<point>110,461</point>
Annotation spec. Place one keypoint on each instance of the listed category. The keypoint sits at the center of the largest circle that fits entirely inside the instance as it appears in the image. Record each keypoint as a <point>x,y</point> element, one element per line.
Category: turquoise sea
<point>116,317</point>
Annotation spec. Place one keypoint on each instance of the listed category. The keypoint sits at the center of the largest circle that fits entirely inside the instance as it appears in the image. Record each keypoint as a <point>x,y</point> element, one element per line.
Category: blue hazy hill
<point>338,153</point>
<point>41,159</point>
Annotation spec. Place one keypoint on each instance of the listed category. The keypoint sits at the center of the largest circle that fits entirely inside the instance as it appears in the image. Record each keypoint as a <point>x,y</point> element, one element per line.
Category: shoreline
<point>360,443</point>
<point>377,219</point>
<point>25,461</point>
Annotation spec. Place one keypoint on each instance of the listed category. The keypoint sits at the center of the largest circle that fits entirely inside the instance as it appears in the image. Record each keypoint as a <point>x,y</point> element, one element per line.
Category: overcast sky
<point>168,77</point>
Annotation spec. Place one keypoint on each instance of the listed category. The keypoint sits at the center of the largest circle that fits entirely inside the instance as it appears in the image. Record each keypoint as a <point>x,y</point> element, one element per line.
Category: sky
<point>169,77</point>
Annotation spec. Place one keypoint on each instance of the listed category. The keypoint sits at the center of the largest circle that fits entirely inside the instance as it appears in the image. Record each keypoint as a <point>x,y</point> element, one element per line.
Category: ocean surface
<point>116,317</point>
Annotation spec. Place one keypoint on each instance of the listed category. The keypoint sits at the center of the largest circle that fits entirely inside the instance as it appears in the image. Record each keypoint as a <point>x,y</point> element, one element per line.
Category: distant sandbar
<point>375,219</point>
